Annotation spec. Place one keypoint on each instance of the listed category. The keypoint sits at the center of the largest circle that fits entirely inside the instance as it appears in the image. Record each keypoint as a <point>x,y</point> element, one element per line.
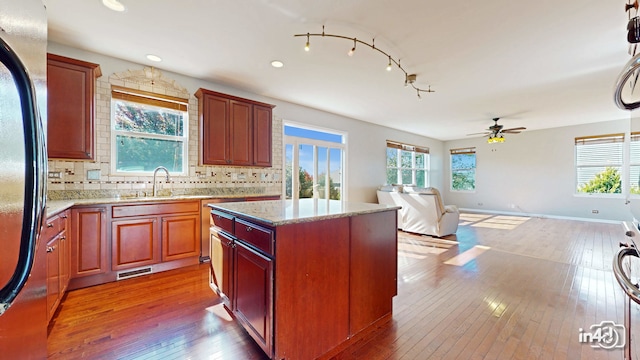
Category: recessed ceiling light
<point>114,5</point>
<point>277,64</point>
<point>155,58</point>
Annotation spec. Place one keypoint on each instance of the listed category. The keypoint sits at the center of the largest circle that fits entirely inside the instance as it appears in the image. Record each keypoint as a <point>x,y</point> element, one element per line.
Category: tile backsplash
<point>69,179</point>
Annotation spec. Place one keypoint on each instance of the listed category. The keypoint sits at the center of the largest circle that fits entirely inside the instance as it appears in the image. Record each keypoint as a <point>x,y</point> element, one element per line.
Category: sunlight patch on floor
<point>465,257</point>
<point>505,222</point>
<point>219,311</point>
<point>419,247</point>
<point>467,219</point>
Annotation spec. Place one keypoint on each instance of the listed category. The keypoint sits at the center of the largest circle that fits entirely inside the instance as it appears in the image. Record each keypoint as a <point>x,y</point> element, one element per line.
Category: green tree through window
<point>463,169</point>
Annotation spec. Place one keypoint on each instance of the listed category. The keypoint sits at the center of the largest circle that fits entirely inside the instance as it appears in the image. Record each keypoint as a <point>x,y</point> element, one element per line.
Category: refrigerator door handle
<point>35,168</point>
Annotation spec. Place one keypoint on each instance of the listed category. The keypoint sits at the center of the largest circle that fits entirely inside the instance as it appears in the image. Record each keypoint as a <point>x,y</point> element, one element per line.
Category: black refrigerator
<point>23,166</point>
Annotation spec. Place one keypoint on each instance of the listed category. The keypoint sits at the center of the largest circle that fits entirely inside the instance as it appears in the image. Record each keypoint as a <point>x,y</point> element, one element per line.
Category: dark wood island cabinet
<point>305,278</point>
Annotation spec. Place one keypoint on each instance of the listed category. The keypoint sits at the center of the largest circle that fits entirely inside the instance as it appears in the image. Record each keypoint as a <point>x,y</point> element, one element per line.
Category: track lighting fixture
<point>409,79</point>
<point>353,49</point>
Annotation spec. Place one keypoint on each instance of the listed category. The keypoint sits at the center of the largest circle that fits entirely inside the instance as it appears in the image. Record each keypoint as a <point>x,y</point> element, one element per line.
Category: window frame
<point>622,166</point>
<point>296,141</point>
<point>463,151</point>
<point>151,100</point>
<point>413,149</point>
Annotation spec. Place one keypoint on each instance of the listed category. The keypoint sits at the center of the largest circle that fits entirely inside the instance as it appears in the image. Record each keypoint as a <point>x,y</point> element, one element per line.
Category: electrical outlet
<point>480,204</point>
<point>55,175</point>
<point>594,211</point>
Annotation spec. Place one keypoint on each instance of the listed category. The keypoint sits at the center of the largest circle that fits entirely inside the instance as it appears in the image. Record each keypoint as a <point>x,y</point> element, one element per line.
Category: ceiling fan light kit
<point>409,79</point>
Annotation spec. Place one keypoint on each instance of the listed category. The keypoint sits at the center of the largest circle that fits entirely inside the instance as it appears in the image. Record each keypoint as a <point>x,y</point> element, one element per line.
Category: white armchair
<point>423,211</point>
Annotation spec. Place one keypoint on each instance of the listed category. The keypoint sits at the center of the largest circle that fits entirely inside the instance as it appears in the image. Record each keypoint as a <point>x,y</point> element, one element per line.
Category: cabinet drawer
<point>155,209</point>
<point>222,220</point>
<point>53,226</point>
<point>255,235</point>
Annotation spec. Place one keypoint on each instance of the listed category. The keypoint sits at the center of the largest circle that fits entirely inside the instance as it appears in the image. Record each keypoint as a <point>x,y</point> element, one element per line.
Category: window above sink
<point>148,130</point>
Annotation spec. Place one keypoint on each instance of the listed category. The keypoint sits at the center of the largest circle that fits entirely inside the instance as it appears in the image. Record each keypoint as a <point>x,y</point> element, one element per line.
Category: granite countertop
<point>280,212</point>
<point>56,206</point>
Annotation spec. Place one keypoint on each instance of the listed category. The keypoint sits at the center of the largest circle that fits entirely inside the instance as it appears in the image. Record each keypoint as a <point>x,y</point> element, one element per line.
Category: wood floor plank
<point>537,282</point>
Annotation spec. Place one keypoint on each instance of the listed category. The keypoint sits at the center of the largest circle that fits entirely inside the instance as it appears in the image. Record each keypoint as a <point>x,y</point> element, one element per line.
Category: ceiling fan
<point>495,132</point>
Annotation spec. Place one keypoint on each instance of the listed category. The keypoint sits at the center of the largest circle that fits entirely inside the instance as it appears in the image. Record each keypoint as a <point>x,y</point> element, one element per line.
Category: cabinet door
<point>241,126</point>
<point>64,260</point>
<point>134,243</point>
<point>180,237</point>
<point>70,108</point>
<point>53,276</point>
<point>261,135</point>
<point>221,275</point>
<point>65,253</point>
<point>89,241</point>
<point>253,287</point>
<point>214,134</point>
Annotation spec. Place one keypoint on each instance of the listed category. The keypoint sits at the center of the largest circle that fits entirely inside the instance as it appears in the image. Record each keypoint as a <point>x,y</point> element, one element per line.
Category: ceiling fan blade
<point>516,129</point>
<point>480,133</point>
<point>511,132</point>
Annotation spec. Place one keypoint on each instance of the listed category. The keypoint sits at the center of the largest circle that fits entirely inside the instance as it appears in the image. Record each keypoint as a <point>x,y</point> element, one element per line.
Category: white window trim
<point>624,173</point>
<point>184,139</point>
<point>296,141</point>
<point>413,167</point>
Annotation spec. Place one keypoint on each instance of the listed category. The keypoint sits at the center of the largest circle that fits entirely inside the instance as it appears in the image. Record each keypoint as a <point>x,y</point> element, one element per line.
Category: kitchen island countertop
<point>280,212</point>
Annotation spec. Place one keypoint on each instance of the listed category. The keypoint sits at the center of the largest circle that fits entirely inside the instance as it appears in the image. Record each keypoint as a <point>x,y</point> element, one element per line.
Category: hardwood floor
<point>503,287</point>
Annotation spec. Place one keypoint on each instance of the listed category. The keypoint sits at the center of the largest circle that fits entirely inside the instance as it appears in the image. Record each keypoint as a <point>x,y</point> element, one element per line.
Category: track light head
<point>306,46</point>
<point>353,49</point>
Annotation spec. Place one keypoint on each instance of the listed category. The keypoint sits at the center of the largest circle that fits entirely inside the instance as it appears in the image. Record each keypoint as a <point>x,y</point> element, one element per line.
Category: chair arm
<point>451,209</point>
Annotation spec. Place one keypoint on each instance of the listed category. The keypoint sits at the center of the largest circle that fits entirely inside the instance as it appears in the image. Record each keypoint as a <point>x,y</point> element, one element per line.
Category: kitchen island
<point>307,277</point>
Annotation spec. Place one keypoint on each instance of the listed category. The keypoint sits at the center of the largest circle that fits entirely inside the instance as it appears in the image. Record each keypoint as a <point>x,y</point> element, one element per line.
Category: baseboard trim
<point>542,216</point>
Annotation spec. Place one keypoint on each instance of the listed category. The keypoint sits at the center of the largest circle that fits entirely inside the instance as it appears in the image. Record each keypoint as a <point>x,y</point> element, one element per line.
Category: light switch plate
<point>93,174</point>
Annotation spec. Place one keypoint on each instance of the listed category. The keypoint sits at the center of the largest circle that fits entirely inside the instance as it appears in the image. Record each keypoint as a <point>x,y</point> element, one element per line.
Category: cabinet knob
<point>50,225</point>
<point>249,228</point>
<point>63,238</point>
<point>64,216</point>
<point>51,249</point>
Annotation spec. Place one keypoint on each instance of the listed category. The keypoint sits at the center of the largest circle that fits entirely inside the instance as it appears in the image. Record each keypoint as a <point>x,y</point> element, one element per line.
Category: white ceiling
<point>538,64</point>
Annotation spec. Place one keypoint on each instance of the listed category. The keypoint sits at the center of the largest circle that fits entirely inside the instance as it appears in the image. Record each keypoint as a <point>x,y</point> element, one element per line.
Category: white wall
<point>366,142</point>
<point>534,172</point>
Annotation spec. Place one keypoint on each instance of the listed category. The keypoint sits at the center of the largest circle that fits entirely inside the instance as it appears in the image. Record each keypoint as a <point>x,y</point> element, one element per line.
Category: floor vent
<point>133,273</point>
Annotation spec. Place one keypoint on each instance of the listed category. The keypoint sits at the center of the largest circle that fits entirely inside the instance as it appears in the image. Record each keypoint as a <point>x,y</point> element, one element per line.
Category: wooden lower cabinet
<point>145,234</point>
<point>253,294</point>
<point>53,277</point>
<point>89,245</point>
<point>221,269</point>
<point>134,243</point>
<point>180,237</point>
<point>58,258</point>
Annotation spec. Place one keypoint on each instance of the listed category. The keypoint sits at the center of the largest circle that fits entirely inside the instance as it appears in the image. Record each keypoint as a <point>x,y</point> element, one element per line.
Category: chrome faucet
<point>155,172</point>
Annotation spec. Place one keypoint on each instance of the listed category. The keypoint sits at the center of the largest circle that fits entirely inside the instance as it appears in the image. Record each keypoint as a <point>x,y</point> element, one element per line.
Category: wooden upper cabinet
<point>261,135</point>
<point>214,129</point>
<point>241,133</point>
<point>233,130</point>
<point>70,107</point>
